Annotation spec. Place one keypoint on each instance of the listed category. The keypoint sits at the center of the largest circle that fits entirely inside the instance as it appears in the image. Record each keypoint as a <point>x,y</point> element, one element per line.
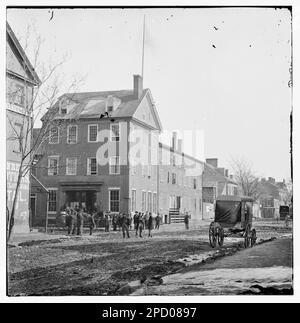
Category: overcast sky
<point>224,71</point>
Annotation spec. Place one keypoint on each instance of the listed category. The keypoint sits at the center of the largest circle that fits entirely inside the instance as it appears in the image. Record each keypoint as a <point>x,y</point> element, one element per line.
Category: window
<point>173,178</point>
<point>19,95</point>
<point>114,200</point>
<point>114,165</point>
<point>53,166</point>
<point>168,177</point>
<point>155,203</point>
<point>149,206</point>
<point>195,183</point>
<point>72,134</point>
<point>54,136</point>
<point>114,132</point>
<point>92,133</point>
<point>92,166</point>
<point>200,204</point>
<point>144,197</point>
<point>71,166</point>
<point>133,200</point>
<point>52,201</point>
<point>235,191</point>
<point>63,110</point>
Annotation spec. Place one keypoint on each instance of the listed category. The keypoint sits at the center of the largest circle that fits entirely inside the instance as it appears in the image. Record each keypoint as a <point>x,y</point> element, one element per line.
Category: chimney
<point>137,86</point>
<point>174,140</point>
<point>271,180</point>
<point>110,103</point>
<point>212,161</point>
<point>231,177</point>
<point>179,145</point>
<point>226,172</point>
<point>221,170</point>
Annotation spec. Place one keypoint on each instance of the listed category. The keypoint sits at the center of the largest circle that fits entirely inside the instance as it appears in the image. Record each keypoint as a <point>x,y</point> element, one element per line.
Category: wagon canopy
<point>228,208</point>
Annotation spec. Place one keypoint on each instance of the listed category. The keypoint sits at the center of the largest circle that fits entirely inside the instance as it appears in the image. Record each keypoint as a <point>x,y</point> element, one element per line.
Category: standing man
<point>124,225</point>
<point>150,224</point>
<point>157,221</point>
<point>186,221</point>
<point>140,225</point>
<point>74,221</point>
<point>91,222</point>
<point>79,222</point>
<point>69,220</point>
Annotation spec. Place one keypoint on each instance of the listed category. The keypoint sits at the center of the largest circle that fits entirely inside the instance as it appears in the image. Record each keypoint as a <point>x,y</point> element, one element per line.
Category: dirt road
<point>105,262</point>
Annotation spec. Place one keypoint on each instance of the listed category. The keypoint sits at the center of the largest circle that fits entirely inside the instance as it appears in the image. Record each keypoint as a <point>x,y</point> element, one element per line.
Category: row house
<point>21,79</point>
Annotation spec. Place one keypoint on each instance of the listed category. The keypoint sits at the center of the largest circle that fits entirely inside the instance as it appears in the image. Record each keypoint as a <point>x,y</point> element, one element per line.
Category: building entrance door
<point>81,199</point>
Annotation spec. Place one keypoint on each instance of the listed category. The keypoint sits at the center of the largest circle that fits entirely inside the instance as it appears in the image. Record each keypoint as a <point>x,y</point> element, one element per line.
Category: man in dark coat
<point>69,221</point>
<point>150,224</point>
<point>91,222</point>
<point>141,225</point>
<point>157,222</point>
<point>186,221</point>
<point>124,225</point>
<point>79,222</point>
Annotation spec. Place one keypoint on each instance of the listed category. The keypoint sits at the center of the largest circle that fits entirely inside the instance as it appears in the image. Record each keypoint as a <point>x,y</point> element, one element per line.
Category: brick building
<point>20,82</point>
<point>180,183</point>
<point>107,155</point>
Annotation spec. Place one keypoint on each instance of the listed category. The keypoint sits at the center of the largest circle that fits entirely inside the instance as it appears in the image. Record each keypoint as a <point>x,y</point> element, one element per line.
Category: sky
<point>221,71</point>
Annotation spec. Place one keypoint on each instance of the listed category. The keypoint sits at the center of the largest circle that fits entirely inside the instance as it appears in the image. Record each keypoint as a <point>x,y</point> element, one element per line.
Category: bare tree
<point>38,101</point>
<point>246,178</point>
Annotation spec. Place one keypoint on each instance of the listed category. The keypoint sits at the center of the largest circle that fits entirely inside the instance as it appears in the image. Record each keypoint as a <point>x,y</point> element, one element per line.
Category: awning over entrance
<point>80,186</point>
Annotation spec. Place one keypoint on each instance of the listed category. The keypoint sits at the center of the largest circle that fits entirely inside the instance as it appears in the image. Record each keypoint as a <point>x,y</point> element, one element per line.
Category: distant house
<point>272,195</point>
<point>216,182</point>
<point>20,82</point>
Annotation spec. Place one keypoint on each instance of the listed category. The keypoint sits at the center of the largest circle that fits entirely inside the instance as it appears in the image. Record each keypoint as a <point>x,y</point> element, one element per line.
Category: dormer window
<point>63,105</point>
<point>63,110</point>
<point>110,108</point>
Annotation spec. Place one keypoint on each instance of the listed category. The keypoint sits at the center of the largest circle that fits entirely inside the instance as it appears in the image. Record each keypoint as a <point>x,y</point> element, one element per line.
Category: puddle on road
<point>221,281</point>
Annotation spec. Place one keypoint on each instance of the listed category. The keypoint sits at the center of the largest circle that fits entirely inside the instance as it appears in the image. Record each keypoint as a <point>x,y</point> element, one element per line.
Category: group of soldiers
<point>76,217</point>
<point>141,221</point>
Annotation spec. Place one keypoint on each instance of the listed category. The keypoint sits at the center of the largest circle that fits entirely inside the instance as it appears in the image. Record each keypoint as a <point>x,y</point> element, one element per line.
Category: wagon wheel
<point>247,236</point>
<point>220,236</point>
<point>212,235</point>
<point>253,237</point>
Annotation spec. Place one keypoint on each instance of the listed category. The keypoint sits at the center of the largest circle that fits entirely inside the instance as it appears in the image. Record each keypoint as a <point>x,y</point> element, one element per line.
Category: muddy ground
<point>105,262</point>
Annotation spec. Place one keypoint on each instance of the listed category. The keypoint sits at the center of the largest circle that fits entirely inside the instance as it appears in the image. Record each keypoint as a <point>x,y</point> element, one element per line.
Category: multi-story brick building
<point>179,182</point>
<point>105,153</point>
<point>20,82</point>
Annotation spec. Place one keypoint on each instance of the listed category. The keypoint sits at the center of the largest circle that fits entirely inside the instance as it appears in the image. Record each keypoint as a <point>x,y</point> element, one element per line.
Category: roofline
<point>226,179</point>
<point>21,77</point>
<point>23,55</point>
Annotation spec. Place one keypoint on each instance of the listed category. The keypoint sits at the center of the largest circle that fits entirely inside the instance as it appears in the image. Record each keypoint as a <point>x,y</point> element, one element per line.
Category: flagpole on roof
<point>143,47</point>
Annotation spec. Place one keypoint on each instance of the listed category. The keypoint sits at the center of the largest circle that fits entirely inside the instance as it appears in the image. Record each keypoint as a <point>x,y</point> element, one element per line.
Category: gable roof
<point>89,105</point>
<point>211,176</point>
<point>22,56</point>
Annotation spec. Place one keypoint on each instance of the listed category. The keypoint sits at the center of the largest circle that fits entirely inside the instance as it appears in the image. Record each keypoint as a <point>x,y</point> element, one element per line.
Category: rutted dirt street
<point>107,264</point>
